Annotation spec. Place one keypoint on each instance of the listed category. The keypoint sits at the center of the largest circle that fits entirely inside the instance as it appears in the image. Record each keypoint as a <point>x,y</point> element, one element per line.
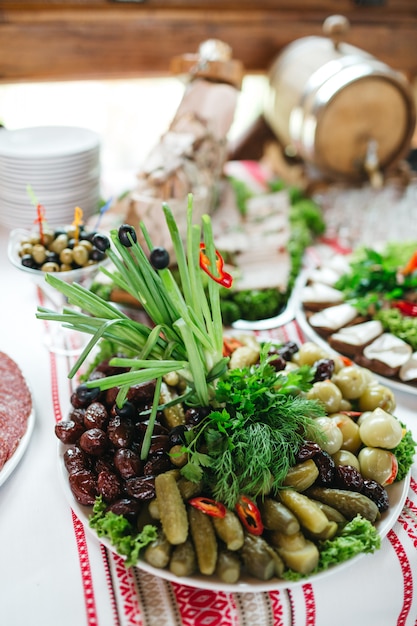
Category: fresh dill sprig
<point>252,439</point>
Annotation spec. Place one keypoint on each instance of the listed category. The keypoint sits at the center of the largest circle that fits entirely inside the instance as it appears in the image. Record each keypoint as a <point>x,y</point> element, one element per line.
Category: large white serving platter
<point>397,493</point>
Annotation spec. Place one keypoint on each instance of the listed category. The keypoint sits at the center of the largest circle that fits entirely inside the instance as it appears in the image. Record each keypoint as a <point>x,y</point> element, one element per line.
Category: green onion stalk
<point>186,331</point>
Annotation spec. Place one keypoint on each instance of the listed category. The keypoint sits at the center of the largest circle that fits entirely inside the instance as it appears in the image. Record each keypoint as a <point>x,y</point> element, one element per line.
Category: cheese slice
<point>389,349</point>
<point>334,317</point>
<point>320,293</point>
<point>359,334</point>
<point>408,371</point>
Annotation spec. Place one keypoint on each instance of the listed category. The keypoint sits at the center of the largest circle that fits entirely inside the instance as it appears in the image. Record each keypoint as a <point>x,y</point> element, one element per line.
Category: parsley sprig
<point>252,438</point>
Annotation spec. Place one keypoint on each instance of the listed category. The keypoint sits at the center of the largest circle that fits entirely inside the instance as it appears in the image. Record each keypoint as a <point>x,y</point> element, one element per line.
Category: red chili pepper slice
<point>406,308</point>
<point>208,506</point>
<point>224,278</point>
<point>249,515</point>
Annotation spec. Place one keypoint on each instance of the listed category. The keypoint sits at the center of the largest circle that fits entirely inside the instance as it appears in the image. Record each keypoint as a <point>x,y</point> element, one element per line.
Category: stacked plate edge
<point>55,166</point>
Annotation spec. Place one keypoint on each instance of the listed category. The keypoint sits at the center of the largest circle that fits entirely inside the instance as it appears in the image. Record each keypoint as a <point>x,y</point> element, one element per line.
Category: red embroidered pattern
<point>126,584</point>
<point>87,580</point>
<point>277,608</point>
<point>202,607</point>
<point>109,584</point>
<point>310,605</point>
<point>407,576</point>
<point>78,527</point>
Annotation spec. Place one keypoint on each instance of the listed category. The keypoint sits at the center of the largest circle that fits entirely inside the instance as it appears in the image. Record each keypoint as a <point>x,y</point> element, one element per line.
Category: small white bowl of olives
<point>75,255</point>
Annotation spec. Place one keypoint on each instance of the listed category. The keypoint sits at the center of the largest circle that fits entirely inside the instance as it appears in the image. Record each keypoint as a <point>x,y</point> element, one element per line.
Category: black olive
<point>101,242</point>
<point>28,261</point>
<point>87,395</point>
<point>126,234</point>
<point>128,410</point>
<point>159,258</point>
<point>97,255</point>
<point>52,257</point>
<point>89,236</point>
<point>177,435</point>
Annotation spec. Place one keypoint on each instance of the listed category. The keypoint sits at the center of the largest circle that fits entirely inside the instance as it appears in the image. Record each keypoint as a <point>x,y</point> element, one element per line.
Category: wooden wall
<point>77,39</point>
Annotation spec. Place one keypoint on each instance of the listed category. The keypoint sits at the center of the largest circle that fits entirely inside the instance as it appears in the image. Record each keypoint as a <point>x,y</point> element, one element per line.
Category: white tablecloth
<point>52,571</point>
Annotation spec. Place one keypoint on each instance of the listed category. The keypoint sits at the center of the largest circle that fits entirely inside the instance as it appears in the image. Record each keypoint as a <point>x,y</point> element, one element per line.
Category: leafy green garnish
<point>404,453</point>
<point>252,440</point>
<point>374,279</point>
<point>120,532</point>
<point>404,327</point>
<point>359,536</point>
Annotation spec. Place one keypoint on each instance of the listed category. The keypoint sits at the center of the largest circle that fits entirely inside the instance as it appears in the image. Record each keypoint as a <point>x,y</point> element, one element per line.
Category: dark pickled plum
<point>69,431</point>
<point>120,432</point>
<point>127,463</point>
<point>94,441</point>
<point>348,477</point>
<point>141,488</point>
<point>377,493</point>
<point>96,416</point>
<point>109,486</point>
<point>83,485</point>
<point>326,467</point>
<point>75,460</point>
<point>308,450</point>
<point>128,507</point>
<point>324,369</point>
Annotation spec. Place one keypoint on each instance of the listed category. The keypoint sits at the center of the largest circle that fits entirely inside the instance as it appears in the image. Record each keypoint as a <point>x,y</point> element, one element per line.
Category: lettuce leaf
<point>120,532</point>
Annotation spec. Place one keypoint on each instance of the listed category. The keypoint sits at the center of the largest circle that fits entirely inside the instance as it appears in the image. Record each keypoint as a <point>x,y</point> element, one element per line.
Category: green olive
<point>376,395</point>
<point>344,457</point>
<point>25,248</point>
<point>87,244</point>
<point>58,244</point>
<point>333,434</point>
<point>80,255</point>
<point>309,353</point>
<point>351,382</point>
<point>350,431</point>
<point>39,253</point>
<point>66,256</point>
<point>328,393</point>
<point>50,267</point>
<point>377,464</point>
<point>381,430</point>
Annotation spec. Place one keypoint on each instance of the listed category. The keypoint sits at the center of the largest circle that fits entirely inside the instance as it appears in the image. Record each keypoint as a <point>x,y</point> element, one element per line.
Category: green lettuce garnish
<point>120,532</point>
<point>358,536</point>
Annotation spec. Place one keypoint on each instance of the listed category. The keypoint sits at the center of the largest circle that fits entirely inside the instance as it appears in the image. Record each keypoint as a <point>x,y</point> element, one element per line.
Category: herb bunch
<point>253,437</point>
<point>187,333</point>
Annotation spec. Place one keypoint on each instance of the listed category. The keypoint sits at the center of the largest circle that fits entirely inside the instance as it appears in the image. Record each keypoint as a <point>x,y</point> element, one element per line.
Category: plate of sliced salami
<point>17,416</point>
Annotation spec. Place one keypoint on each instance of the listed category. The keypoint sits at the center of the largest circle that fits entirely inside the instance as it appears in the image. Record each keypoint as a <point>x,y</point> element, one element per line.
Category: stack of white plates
<point>55,166</point>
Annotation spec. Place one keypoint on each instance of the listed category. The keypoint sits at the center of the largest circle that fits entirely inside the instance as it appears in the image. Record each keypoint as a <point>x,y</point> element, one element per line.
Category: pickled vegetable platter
<point>218,460</point>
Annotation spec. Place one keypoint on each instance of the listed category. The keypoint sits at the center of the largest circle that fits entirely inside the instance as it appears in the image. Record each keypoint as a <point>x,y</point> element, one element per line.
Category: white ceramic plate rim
<point>397,493</point>
<point>47,141</point>
<point>17,456</point>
